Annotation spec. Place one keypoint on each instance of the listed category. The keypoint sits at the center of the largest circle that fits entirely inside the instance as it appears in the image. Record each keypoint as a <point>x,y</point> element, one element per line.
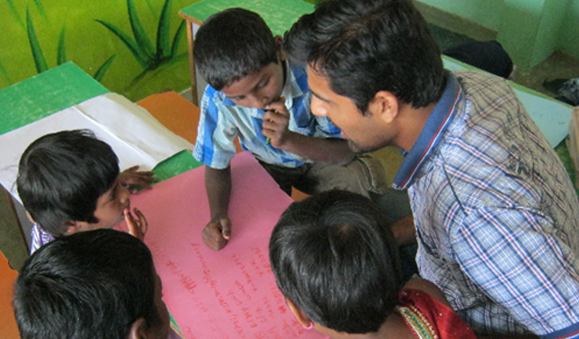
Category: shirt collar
<point>290,90</point>
<point>431,134</point>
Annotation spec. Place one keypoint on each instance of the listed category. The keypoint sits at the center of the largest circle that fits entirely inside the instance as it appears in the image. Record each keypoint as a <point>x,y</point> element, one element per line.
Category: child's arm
<point>131,177</point>
<point>218,185</point>
<point>326,150</point>
<point>404,231</point>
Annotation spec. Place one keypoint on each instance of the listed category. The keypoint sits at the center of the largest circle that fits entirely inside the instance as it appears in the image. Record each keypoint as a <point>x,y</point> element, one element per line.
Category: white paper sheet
<point>133,133</point>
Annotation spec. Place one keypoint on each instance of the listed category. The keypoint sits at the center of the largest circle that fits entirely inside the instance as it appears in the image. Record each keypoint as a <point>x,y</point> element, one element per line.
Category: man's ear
<point>301,317</point>
<point>138,329</point>
<point>279,46</point>
<point>386,105</point>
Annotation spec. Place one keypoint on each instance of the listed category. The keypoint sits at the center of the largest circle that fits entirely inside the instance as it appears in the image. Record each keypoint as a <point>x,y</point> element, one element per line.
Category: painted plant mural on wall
<point>134,48</point>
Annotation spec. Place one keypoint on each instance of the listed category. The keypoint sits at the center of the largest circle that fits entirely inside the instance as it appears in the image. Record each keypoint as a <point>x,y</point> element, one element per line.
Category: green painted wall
<point>41,34</point>
<point>550,24</point>
<point>484,12</point>
<point>519,28</point>
<point>569,37</point>
<point>530,30</point>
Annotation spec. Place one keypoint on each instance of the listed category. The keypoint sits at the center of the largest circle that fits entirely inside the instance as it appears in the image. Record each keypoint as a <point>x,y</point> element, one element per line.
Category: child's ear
<point>138,329</point>
<point>71,227</point>
<point>30,218</point>
<point>301,317</point>
<point>279,46</point>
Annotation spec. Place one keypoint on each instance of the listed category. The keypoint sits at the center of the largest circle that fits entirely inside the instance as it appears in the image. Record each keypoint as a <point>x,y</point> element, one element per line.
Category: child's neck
<point>393,327</point>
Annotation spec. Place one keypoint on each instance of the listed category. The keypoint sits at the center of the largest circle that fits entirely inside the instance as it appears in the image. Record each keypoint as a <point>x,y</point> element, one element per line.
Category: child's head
<point>97,284</point>
<point>236,45</point>
<point>336,262</point>
<point>68,182</point>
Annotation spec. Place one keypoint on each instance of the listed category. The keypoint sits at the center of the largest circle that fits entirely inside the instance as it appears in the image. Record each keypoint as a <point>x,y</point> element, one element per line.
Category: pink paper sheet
<point>227,294</point>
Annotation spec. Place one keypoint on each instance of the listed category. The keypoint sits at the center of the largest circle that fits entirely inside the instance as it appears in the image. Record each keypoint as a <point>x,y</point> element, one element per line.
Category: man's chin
<point>359,149</point>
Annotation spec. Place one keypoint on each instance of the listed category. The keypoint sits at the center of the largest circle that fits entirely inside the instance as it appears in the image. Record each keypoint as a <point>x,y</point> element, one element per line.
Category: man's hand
<point>217,233</point>
<point>275,123</point>
<point>131,177</point>
<point>137,226</point>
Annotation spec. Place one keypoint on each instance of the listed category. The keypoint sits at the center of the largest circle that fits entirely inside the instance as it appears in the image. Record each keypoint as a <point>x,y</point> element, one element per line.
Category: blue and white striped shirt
<point>496,214</point>
<point>38,238</point>
<point>222,120</point>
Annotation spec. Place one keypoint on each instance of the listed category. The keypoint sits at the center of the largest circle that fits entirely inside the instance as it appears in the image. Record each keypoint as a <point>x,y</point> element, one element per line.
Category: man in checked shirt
<point>496,216</point>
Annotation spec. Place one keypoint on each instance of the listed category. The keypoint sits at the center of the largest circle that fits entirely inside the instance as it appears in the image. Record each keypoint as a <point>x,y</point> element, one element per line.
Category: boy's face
<point>109,209</point>
<point>260,88</point>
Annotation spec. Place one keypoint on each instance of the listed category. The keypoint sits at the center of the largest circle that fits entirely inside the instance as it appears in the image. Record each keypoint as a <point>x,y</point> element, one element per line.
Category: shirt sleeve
<point>324,128</point>
<point>215,145</point>
<point>35,238</point>
<point>571,332</point>
<point>516,257</point>
<point>38,238</point>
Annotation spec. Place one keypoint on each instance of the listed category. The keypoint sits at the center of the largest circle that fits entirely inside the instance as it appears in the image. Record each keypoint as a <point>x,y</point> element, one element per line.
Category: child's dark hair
<point>91,284</point>
<point>232,44</point>
<point>335,258</point>
<point>62,175</point>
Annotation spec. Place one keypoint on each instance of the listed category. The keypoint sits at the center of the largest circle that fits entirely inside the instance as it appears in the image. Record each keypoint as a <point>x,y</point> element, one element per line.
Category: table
<point>279,20</point>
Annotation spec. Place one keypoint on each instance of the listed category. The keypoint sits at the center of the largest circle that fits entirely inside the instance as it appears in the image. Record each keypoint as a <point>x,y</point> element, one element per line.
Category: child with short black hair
<point>100,284</point>
<point>69,181</point>
<point>255,94</point>
<point>336,262</point>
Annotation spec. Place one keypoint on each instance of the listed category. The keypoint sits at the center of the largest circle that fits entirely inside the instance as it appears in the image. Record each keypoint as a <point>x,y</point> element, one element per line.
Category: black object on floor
<point>489,56</point>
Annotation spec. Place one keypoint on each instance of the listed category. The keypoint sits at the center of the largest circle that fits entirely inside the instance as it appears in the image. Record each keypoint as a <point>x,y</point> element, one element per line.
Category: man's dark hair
<point>62,175</point>
<point>232,44</point>
<point>91,285</point>
<point>367,46</point>
<point>335,258</point>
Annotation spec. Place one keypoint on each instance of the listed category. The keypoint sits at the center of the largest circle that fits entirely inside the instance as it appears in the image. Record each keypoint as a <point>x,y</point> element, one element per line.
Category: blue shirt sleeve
<point>326,128</point>
<point>215,145</point>
<point>571,332</point>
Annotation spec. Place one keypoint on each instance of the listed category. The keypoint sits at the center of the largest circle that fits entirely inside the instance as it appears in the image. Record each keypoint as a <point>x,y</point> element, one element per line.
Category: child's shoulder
<point>214,100</point>
<point>428,287</point>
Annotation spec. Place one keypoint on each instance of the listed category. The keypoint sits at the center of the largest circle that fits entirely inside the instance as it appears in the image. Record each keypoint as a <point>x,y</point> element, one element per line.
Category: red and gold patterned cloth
<point>430,319</point>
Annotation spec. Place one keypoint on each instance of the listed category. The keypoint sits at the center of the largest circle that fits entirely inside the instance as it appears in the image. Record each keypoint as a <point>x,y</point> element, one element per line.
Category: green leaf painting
<point>14,12</point>
<point>61,53</point>
<point>163,40</point>
<point>138,32</point>
<point>149,57</point>
<point>39,60</point>
<point>131,44</point>
<point>100,73</point>
<point>40,7</point>
<point>135,48</point>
